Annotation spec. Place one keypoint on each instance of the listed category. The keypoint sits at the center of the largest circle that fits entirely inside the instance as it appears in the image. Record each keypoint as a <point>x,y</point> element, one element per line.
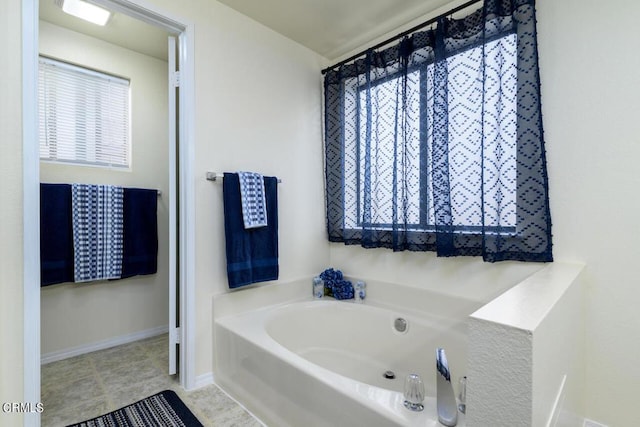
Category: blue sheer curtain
<point>436,143</point>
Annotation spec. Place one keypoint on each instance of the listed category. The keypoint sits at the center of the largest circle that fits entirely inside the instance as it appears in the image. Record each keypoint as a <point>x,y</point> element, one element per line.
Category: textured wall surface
<point>521,347</point>
<point>499,382</point>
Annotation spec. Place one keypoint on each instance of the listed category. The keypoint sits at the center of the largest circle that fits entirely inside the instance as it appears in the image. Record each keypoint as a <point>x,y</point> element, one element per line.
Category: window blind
<point>84,116</point>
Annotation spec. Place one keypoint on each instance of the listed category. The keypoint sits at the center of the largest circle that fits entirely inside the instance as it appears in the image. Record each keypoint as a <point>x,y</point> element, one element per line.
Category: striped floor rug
<point>160,410</point>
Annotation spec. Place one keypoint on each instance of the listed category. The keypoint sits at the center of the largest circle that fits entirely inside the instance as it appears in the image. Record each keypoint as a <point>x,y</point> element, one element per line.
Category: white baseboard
<point>591,423</point>
<point>204,380</point>
<point>101,345</point>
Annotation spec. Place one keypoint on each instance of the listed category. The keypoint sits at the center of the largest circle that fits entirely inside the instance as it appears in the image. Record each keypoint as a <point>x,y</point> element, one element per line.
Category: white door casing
<point>174,83</point>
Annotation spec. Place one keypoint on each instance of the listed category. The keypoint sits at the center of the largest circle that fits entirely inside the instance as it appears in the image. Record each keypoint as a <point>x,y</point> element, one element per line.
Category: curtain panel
<point>436,143</point>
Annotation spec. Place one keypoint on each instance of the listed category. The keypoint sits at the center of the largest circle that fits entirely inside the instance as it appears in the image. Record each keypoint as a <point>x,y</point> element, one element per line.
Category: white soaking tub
<point>322,362</point>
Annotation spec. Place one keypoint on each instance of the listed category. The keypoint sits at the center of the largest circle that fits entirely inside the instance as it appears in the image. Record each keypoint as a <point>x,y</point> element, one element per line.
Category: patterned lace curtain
<point>436,143</point>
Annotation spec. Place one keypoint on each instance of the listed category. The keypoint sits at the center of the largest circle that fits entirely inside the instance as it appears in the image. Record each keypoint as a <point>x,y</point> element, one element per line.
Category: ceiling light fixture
<point>84,10</point>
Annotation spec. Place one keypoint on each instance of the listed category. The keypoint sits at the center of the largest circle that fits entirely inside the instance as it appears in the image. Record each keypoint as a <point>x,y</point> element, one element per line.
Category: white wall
<point>590,103</point>
<point>11,210</point>
<point>115,308</point>
<point>559,356</point>
<point>262,114</point>
<point>258,107</point>
<point>466,277</point>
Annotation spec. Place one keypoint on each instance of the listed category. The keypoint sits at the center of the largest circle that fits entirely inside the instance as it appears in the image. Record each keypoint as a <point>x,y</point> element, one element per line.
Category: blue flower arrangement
<point>335,285</point>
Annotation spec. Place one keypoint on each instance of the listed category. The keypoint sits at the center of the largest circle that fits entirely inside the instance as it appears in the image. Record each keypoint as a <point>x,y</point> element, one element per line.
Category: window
<point>84,116</point>
<point>436,143</point>
<point>380,146</point>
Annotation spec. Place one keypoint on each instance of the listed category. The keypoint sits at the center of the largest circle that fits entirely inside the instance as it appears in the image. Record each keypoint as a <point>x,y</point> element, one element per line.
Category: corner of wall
<point>526,363</point>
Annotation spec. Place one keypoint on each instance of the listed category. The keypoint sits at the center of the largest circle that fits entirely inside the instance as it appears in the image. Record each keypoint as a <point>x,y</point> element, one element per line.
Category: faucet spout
<point>446,399</point>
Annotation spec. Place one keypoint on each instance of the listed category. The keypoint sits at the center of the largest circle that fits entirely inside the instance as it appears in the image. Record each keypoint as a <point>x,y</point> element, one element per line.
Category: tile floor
<point>86,386</point>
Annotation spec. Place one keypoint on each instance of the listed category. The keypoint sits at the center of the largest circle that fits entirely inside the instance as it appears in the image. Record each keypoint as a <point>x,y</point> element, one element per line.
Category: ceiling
<point>332,28</point>
<point>121,30</point>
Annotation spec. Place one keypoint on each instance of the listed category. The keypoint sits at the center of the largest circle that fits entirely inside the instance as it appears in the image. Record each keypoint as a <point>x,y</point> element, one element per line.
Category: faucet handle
<point>462,394</point>
<point>413,392</point>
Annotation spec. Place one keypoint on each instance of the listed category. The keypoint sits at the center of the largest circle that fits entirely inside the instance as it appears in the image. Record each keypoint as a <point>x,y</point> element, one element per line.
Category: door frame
<point>184,30</point>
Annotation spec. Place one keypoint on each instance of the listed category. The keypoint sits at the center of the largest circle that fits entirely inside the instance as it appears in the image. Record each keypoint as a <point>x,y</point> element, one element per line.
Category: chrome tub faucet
<point>446,398</point>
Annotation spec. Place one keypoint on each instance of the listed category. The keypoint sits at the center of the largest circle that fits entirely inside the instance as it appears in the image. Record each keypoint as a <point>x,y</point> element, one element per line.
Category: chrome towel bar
<point>217,177</point>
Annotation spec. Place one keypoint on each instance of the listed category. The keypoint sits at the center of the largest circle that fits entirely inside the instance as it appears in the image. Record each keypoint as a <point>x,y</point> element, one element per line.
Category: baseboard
<point>101,345</point>
<point>204,380</point>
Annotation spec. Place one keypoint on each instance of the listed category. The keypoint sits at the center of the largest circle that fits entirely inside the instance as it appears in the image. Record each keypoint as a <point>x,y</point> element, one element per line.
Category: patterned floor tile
<point>86,386</point>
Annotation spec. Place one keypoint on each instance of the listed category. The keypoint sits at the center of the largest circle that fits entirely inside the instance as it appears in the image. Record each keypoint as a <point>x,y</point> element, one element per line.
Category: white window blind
<point>84,116</point>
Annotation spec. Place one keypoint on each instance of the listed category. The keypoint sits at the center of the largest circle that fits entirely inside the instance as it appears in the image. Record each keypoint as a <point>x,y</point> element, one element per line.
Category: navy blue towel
<point>56,234</point>
<point>252,254</point>
<point>140,231</point>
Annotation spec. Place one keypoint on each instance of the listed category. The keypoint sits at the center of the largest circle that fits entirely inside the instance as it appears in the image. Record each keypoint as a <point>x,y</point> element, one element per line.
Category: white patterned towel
<point>97,231</point>
<point>254,205</point>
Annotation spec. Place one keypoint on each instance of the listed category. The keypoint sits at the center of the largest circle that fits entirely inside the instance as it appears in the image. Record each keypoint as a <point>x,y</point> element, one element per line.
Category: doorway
<point>184,132</point>
<point>127,104</point>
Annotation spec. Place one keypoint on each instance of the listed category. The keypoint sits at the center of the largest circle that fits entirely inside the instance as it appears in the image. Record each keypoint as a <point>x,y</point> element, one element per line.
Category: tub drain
<point>400,325</point>
<point>390,375</point>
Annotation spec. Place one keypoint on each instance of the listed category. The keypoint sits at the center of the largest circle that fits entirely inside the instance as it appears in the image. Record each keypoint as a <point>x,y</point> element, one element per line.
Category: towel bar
<point>214,176</point>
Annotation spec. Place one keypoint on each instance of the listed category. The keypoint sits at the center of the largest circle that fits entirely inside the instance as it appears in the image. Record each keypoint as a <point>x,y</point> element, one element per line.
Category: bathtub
<point>322,362</point>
